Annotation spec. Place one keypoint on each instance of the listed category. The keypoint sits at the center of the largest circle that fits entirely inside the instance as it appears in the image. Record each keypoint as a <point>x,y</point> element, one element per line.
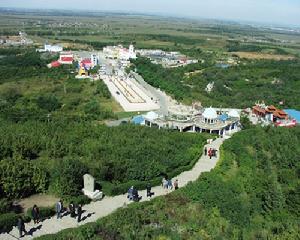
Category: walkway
<point>96,210</point>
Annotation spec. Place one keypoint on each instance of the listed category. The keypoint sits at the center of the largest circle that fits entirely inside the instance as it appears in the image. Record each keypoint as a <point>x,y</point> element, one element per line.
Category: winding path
<point>99,209</point>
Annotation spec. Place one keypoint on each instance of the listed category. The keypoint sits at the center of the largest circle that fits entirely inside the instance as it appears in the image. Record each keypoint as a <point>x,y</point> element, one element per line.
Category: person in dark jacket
<point>59,209</point>
<point>79,212</point>
<point>35,212</point>
<point>205,151</point>
<point>135,195</point>
<point>149,194</point>
<point>21,227</point>
<point>130,193</point>
<point>72,210</point>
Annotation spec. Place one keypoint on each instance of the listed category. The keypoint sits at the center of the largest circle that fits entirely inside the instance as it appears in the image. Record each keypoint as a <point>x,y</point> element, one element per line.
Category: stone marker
<point>89,182</point>
<point>89,188</point>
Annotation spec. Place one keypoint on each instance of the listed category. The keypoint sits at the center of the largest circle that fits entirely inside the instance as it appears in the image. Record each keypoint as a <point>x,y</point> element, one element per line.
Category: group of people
<point>72,210</point>
<point>35,213</point>
<point>211,152</point>
<point>168,185</point>
<point>133,194</point>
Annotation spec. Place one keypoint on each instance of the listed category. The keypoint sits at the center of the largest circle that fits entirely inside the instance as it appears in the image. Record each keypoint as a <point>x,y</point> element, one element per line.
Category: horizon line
<point>163,15</point>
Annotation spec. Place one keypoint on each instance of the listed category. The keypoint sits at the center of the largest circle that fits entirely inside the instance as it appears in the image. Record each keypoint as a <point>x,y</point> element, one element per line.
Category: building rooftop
<point>151,116</point>
<point>210,113</point>
<point>233,113</point>
<point>293,113</point>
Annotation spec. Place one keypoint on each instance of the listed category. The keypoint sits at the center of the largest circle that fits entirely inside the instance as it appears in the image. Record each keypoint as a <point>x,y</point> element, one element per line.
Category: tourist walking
<point>205,151</point>
<point>72,210</point>
<point>165,183</point>
<point>170,185</point>
<point>135,195</point>
<point>149,194</point>
<point>58,209</point>
<point>130,193</point>
<point>215,152</point>
<point>210,153</point>
<point>79,212</point>
<point>21,226</point>
<point>35,212</point>
<point>176,184</point>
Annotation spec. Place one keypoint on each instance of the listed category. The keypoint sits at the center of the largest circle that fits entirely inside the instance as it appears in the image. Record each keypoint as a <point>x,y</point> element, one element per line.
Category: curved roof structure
<point>151,116</point>
<point>210,113</point>
<point>233,113</point>
<point>181,110</point>
<point>138,120</point>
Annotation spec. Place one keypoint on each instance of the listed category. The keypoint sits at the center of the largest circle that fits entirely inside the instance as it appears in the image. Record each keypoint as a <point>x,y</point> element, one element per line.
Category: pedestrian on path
<point>176,184</point>
<point>170,185</point>
<point>35,212</point>
<point>165,183</point>
<point>215,152</point>
<point>79,212</point>
<point>21,227</point>
<point>210,153</point>
<point>58,209</point>
<point>130,193</point>
<point>205,151</point>
<point>72,210</point>
<point>135,195</point>
<point>149,193</point>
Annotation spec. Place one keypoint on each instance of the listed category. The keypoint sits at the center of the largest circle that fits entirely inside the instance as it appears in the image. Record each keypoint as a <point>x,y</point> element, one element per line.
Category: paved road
<point>162,98</point>
<point>115,123</point>
<point>96,210</point>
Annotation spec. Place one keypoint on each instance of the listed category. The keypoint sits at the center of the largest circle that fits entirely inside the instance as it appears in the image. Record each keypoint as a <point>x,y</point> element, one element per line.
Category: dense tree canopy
<point>113,155</point>
<point>252,194</point>
<point>237,86</point>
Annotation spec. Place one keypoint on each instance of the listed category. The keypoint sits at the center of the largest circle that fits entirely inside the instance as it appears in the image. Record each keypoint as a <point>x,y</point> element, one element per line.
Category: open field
<point>260,56</point>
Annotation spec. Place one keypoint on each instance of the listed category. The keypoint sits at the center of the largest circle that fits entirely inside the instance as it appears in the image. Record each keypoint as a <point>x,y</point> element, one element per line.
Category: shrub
<point>5,205</point>
<point>67,177</point>
<point>102,90</point>
<point>21,178</point>
<point>81,199</point>
<point>45,212</point>
<point>92,107</point>
<point>48,102</point>
<point>11,93</point>
<point>7,222</point>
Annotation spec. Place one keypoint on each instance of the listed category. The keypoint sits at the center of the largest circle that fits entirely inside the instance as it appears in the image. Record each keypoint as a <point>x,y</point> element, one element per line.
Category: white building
<point>192,120</point>
<point>119,52</point>
<point>53,48</point>
<point>94,59</point>
<point>66,58</point>
<point>210,116</point>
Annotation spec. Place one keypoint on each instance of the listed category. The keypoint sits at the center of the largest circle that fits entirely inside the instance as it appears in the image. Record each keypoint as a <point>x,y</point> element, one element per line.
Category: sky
<point>285,12</point>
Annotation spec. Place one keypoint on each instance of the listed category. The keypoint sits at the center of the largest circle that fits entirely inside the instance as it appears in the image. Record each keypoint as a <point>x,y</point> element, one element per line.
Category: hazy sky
<point>269,11</point>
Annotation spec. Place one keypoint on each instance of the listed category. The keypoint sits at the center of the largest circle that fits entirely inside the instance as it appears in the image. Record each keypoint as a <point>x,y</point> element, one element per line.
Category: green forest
<point>236,86</point>
<point>52,129</point>
<point>253,193</point>
<point>112,155</point>
<point>52,157</point>
<point>31,91</point>
<point>52,133</point>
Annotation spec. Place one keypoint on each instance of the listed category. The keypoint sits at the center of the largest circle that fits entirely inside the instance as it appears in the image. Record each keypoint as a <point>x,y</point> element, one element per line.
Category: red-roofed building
<point>274,115</point>
<point>55,64</point>
<point>66,58</point>
<point>86,63</point>
<point>259,111</point>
